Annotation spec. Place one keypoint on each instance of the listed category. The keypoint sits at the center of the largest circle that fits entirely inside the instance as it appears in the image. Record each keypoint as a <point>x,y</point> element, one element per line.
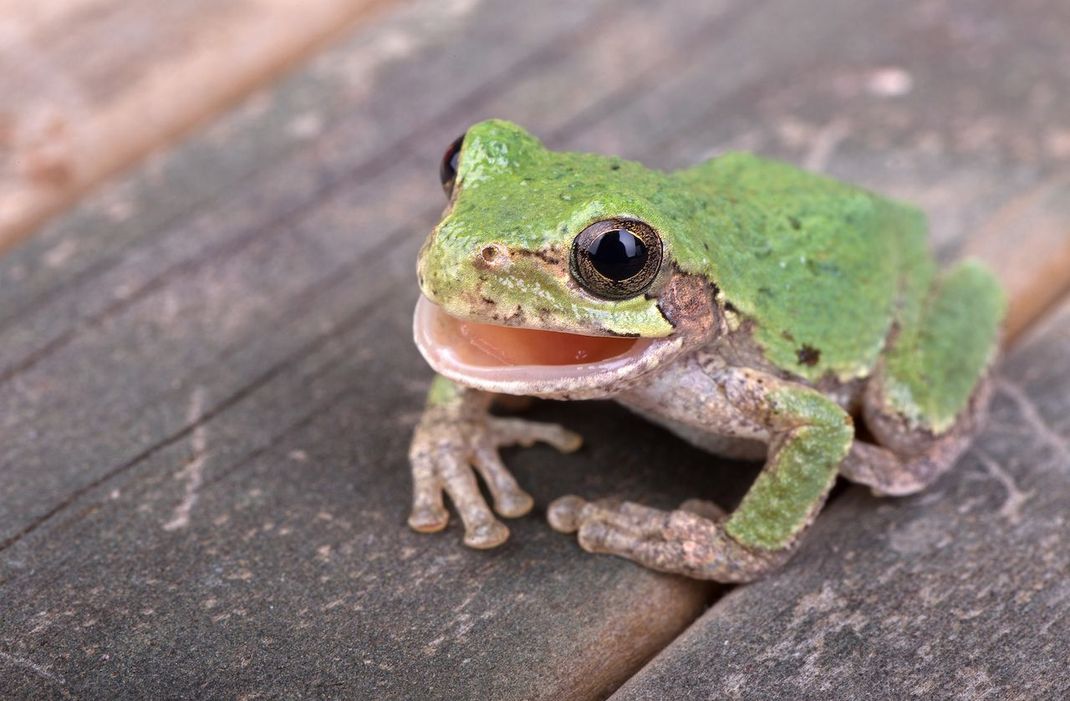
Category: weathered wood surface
<point>958,593</point>
<point>204,414</point>
<point>319,248</point>
<point>90,86</point>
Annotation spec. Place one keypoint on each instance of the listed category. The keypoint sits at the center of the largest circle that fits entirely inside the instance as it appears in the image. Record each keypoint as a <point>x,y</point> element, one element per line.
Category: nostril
<point>495,255</point>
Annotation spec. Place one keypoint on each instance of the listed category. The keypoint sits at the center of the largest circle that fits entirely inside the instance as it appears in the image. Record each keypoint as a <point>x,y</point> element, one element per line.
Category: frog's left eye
<point>616,258</point>
<point>447,170</point>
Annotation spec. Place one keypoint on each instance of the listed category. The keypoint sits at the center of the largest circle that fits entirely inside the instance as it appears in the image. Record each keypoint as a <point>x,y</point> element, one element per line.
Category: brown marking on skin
<point>686,302</point>
<point>516,316</point>
<point>616,334</point>
<point>893,335</point>
<point>808,355</point>
<point>545,256</point>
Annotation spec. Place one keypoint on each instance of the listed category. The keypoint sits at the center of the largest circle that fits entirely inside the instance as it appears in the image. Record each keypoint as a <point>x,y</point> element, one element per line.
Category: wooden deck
<point>207,381</point>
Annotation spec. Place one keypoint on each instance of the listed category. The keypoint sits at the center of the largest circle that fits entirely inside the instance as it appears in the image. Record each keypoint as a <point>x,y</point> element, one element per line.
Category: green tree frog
<point>754,309</point>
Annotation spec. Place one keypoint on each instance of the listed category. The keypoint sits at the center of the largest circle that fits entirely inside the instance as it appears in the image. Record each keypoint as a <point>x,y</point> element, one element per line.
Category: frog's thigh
<point>929,396</point>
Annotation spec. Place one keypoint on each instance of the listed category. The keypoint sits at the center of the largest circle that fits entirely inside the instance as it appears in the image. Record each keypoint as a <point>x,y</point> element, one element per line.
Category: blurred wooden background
<point>89,87</point>
<point>207,383</point>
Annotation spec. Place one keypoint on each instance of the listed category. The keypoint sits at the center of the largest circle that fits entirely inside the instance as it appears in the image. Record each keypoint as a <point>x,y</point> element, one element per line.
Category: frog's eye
<point>616,258</point>
<point>447,170</point>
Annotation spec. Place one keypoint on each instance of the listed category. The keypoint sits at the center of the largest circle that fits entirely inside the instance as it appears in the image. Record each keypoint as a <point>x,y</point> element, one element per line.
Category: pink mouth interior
<point>488,345</point>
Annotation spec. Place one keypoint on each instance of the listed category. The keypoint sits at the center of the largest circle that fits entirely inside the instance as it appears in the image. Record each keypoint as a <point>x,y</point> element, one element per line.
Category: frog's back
<point>821,268</point>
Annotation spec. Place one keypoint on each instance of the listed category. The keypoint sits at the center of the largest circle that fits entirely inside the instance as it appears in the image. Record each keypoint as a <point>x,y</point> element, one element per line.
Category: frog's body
<point>751,307</point>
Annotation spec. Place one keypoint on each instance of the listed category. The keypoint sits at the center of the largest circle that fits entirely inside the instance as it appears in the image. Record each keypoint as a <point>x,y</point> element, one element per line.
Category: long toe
<point>564,513</point>
<point>428,519</point>
<point>486,535</point>
<point>514,504</point>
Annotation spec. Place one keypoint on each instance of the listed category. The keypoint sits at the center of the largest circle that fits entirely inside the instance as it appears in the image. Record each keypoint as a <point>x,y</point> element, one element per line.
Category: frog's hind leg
<point>930,395</point>
<point>916,457</point>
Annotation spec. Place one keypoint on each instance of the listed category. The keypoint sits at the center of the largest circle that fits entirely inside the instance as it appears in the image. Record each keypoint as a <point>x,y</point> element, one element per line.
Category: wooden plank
<point>957,593</point>
<point>1036,222</point>
<point>922,596</point>
<point>88,87</point>
<point>232,344</point>
<point>264,154</point>
<point>296,574</point>
<point>312,277</point>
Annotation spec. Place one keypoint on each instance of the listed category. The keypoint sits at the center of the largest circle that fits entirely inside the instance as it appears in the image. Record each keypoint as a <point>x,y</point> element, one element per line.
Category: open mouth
<point>520,360</point>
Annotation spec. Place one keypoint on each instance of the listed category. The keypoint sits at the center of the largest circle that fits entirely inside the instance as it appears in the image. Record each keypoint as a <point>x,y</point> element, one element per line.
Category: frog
<point>752,308</point>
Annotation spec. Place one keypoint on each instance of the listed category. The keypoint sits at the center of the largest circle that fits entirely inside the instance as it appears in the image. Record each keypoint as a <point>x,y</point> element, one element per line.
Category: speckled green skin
<point>832,284</point>
<point>513,191</point>
<point>819,266</point>
<point>781,501</point>
<point>946,339</point>
<point>443,392</point>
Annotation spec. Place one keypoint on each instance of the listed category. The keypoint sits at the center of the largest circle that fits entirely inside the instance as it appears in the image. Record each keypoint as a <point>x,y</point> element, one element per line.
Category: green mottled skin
<point>832,283</point>
<point>516,192</point>
<point>813,263</point>
<point>933,365</point>
<point>443,392</point>
<point>781,500</point>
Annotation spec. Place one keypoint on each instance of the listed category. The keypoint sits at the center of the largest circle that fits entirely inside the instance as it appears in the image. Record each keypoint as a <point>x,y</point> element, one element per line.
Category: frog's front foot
<point>690,540</point>
<point>448,448</point>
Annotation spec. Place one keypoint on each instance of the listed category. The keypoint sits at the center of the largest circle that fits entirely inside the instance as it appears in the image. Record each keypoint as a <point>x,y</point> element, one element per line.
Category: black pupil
<point>447,171</point>
<point>618,254</point>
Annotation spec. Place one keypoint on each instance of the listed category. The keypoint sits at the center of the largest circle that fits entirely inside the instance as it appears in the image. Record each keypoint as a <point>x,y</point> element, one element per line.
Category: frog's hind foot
<point>683,541</point>
<point>906,461</point>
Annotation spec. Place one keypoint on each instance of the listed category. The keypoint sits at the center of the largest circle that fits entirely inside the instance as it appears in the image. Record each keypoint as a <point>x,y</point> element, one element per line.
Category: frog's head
<point>552,274</point>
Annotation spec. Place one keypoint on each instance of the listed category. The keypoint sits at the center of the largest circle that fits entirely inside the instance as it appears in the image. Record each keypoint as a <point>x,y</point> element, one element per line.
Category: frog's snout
<point>494,256</point>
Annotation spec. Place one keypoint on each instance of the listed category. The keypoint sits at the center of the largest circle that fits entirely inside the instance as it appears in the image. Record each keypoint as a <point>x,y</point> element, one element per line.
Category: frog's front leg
<point>808,435</point>
<point>457,437</point>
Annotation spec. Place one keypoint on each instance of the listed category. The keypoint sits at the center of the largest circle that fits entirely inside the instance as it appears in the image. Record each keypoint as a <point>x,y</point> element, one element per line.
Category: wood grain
<point>231,323</point>
<point>88,87</point>
<point>1027,243</point>
<point>956,593</point>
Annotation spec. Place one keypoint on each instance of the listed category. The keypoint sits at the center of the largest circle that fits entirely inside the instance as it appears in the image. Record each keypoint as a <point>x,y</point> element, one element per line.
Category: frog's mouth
<point>516,360</point>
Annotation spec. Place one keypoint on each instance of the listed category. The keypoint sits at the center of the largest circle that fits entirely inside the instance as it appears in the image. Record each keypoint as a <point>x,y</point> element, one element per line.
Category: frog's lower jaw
<point>533,362</point>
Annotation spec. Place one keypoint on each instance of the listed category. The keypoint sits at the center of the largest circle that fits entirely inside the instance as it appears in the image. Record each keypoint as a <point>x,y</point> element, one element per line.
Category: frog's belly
<point>727,446</point>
